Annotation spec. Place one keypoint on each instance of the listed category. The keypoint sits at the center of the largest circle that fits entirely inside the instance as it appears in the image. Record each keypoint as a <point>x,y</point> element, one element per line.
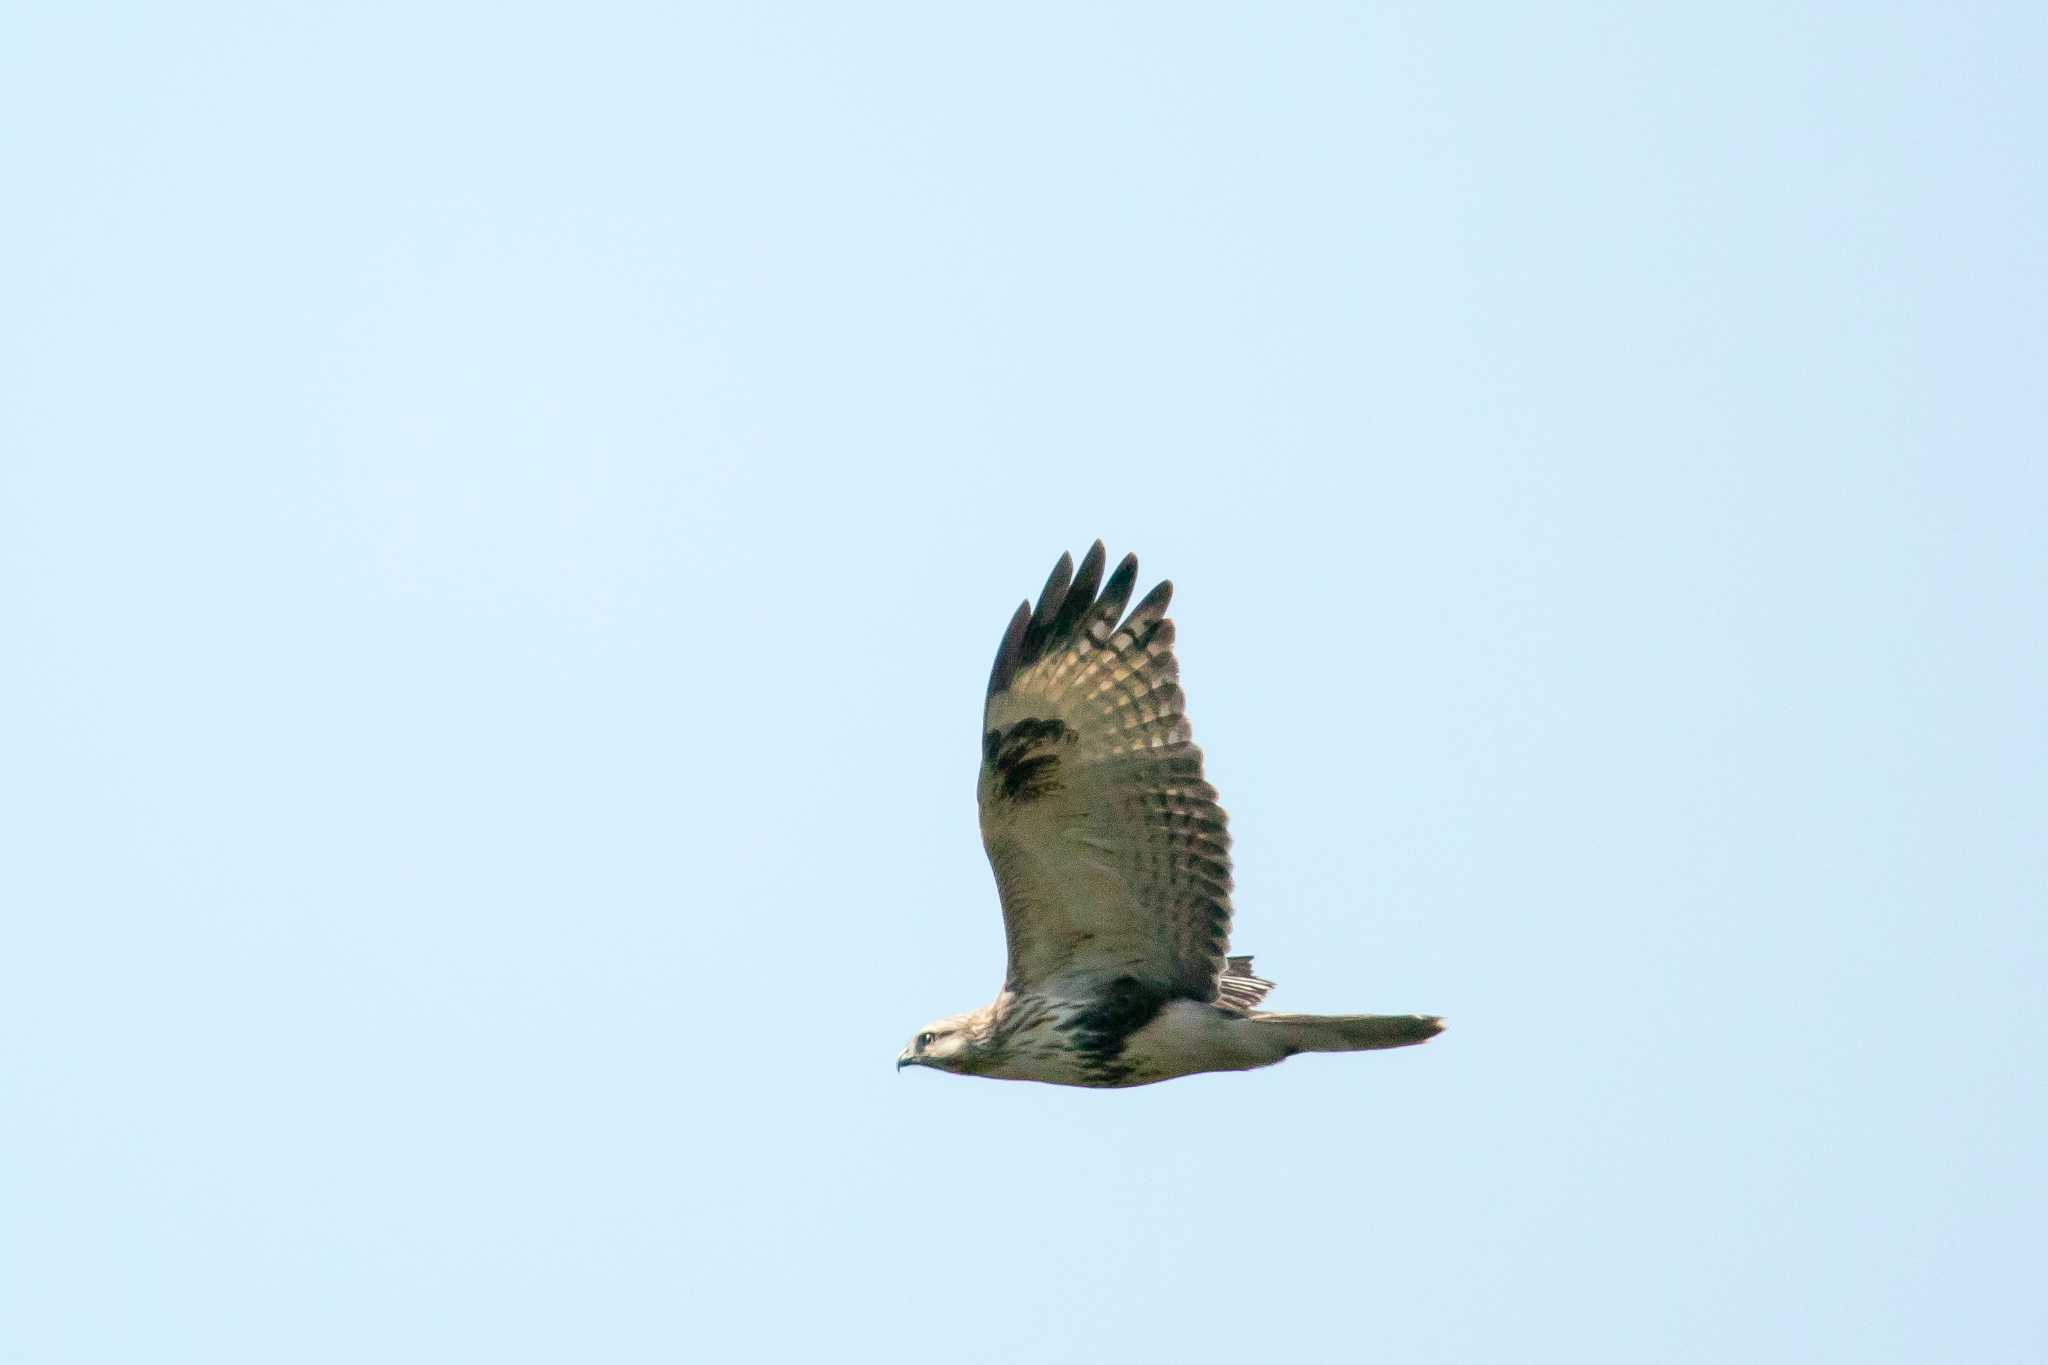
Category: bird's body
<point>1111,857</point>
<point>1114,1039</point>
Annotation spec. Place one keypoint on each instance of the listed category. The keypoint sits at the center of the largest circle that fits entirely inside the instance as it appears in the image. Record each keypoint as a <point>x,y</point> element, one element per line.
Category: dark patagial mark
<point>1025,757</point>
<point>1100,1031</point>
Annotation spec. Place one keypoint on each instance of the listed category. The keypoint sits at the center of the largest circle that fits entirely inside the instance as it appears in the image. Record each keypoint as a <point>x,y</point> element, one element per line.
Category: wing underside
<point>1110,852</point>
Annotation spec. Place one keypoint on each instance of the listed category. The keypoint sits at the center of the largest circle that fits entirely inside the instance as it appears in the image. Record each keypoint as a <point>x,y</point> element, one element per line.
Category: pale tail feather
<point>1238,988</point>
<point>1350,1032</point>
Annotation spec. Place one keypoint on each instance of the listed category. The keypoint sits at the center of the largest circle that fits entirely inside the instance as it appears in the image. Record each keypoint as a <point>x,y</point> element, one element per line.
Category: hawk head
<point>956,1043</point>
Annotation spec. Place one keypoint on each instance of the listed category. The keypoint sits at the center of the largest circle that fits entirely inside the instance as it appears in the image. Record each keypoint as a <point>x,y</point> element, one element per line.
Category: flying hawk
<point>1113,864</point>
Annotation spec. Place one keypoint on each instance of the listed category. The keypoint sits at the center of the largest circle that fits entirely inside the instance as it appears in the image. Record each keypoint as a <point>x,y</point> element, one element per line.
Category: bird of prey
<point>1112,860</point>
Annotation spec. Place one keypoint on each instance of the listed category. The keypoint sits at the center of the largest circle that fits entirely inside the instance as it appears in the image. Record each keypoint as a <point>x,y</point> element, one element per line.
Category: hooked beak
<point>904,1059</point>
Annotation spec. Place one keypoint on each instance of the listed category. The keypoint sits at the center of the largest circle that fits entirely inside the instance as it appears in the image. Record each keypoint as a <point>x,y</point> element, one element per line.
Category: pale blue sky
<point>505,512</point>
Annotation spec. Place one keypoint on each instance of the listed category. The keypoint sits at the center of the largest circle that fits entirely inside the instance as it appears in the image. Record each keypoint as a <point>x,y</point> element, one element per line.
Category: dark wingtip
<point>1155,602</point>
<point>1009,653</point>
<point>1091,566</point>
<point>1050,599</point>
<point>1070,597</point>
<point>1054,595</point>
<point>1080,596</point>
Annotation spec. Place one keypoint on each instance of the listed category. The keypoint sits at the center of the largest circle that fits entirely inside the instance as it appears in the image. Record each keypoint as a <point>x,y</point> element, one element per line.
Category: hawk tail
<point>1238,988</point>
<point>1349,1032</point>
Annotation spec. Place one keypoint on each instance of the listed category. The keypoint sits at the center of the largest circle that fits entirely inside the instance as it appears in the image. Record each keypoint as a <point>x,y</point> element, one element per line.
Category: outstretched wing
<point>1110,853</point>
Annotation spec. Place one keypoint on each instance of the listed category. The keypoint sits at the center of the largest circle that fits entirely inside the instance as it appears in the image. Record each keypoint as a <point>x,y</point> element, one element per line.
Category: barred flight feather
<point>1089,762</point>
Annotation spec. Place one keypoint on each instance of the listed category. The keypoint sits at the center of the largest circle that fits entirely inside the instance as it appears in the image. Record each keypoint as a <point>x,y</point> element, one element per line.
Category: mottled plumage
<point>1112,860</point>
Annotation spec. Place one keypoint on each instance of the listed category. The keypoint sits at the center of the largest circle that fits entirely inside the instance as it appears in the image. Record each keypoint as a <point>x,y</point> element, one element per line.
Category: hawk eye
<point>924,1040</point>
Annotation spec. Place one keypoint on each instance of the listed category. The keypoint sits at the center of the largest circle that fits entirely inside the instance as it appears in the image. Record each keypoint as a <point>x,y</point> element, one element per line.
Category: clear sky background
<point>505,513</point>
